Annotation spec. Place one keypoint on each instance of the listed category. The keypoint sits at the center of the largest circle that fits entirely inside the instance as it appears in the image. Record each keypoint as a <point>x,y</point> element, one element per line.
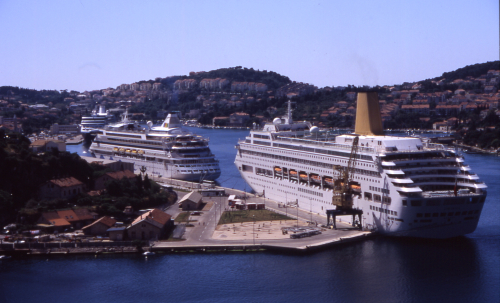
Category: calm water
<point>466,269</point>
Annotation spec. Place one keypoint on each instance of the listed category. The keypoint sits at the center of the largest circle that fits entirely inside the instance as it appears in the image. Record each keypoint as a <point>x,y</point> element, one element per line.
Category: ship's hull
<point>446,219</point>
<point>158,169</point>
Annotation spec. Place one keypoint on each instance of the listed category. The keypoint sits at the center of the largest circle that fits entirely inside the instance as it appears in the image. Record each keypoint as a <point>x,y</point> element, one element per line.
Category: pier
<point>204,234</point>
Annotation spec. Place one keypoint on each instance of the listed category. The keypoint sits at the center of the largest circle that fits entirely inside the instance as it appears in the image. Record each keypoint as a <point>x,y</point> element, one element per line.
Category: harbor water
<point>464,269</point>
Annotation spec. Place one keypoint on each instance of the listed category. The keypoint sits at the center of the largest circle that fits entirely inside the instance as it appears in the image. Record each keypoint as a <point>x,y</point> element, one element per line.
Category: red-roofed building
<point>63,219</point>
<point>100,183</point>
<point>238,119</point>
<point>151,225</point>
<point>99,227</point>
<point>64,188</point>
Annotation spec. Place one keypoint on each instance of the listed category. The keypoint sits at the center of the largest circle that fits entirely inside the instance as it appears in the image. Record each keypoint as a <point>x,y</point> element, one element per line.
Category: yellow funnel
<point>368,119</point>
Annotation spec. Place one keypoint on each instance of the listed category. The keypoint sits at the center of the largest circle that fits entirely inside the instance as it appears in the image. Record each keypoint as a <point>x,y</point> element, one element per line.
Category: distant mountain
<point>474,70</point>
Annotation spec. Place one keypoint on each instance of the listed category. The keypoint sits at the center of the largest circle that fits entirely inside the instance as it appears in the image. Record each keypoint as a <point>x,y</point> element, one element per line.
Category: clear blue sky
<point>85,45</point>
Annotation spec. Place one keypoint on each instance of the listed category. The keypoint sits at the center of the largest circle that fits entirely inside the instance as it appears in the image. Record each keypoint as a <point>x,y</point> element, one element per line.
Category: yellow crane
<point>344,187</point>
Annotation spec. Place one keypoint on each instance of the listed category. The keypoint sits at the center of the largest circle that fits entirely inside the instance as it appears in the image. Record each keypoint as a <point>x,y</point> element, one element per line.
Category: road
<point>201,234</point>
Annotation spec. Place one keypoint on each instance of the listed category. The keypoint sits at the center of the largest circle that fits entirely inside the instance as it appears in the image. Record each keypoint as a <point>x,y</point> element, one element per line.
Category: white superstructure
<point>168,150</point>
<point>403,187</point>
<point>98,119</point>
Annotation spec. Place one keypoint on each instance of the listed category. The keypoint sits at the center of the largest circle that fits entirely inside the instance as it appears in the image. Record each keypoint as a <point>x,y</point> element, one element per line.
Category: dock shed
<point>191,201</point>
<point>213,192</point>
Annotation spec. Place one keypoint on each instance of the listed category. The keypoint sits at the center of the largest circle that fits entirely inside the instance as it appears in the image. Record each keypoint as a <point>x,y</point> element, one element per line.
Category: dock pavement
<point>206,234</point>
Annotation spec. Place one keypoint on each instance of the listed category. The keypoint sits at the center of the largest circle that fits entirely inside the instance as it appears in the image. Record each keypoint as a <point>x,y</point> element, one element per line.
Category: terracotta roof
<point>155,217</point>
<point>84,214</point>
<point>109,222</point>
<point>66,182</point>
<point>68,215</point>
<point>118,175</point>
<point>59,222</point>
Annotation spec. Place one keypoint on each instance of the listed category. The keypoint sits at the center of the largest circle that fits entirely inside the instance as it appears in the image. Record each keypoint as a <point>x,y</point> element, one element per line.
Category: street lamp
<point>253,230</point>
<point>311,209</point>
<point>286,202</point>
<point>297,205</point>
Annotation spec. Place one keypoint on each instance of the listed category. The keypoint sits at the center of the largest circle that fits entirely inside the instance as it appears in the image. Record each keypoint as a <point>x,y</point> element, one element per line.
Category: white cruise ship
<point>98,119</point>
<point>400,186</point>
<point>167,151</point>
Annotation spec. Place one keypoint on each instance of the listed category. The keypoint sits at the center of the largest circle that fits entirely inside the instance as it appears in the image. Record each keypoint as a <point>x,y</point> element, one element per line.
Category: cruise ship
<point>98,119</point>
<point>398,186</point>
<point>167,151</point>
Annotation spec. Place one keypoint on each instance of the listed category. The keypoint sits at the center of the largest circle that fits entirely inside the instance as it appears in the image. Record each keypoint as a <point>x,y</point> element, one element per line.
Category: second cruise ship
<point>167,151</point>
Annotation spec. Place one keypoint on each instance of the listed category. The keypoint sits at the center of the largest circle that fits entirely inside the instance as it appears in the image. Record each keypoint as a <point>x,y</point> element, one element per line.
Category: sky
<point>88,45</point>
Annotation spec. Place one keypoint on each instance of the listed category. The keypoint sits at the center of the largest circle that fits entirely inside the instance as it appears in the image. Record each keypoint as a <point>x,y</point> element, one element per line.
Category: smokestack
<point>368,119</point>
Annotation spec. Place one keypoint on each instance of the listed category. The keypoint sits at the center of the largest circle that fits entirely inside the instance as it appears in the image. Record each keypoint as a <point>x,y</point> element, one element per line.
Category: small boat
<point>4,257</point>
<point>148,253</point>
<point>315,178</point>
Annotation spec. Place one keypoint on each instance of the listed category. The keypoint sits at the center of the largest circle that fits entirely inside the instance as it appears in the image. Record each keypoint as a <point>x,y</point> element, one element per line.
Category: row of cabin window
<point>377,198</point>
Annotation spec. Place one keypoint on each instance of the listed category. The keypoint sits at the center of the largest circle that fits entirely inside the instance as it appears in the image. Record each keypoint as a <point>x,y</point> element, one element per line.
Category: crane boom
<point>342,194</point>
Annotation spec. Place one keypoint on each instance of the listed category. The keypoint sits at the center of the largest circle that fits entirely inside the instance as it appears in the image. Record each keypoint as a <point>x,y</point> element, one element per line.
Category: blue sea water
<point>465,269</point>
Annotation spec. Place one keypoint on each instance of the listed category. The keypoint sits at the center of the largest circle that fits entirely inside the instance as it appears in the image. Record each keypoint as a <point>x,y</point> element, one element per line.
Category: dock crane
<point>345,188</point>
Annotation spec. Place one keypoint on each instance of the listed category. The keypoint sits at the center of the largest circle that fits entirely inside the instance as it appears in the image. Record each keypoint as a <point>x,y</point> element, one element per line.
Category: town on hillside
<point>43,185</point>
<point>240,97</point>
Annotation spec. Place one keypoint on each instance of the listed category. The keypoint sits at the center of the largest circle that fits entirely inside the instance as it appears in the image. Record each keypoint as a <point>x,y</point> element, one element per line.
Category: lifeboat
<point>278,170</point>
<point>128,151</point>
<point>134,151</point>
<point>122,150</point>
<point>293,173</point>
<point>140,152</point>
<point>303,176</point>
<point>316,178</point>
<point>355,187</point>
<point>329,181</point>
<point>115,149</point>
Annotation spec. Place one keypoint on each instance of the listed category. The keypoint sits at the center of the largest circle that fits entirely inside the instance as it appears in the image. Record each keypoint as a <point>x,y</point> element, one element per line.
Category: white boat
<point>402,187</point>
<point>148,253</point>
<point>168,150</point>
<point>98,119</point>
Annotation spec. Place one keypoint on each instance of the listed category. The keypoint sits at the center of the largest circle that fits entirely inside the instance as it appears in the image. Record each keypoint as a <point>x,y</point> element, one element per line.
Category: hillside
<point>474,71</point>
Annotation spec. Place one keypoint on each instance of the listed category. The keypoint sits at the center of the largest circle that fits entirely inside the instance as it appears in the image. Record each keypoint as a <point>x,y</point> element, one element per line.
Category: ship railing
<point>447,193</point>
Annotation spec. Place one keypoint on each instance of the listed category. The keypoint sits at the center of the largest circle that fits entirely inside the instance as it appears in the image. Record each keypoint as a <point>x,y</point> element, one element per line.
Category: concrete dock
<point>206,235</point>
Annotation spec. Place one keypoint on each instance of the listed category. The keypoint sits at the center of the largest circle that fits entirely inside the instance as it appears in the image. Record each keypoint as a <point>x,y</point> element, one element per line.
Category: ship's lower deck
<point>158,167</point>
<point>442,215</point>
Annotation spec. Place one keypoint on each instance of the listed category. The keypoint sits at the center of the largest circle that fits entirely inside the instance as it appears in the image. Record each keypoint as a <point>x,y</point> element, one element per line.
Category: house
<point>64,188</point>
<point>238,119</point>
<point>100,183</point>
<point>99,227</point>
<point>151,225</point>
<point>112,164</point>
<point>40,146</point>
<point>64,219</point>
<point>416,109</point>
<point>116,233</point>
<point>57,129</point>
<point>191,201</point>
